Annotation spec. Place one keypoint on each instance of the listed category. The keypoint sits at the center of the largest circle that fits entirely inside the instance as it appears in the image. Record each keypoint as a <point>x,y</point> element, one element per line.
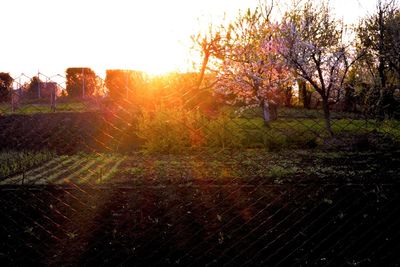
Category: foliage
<point>32,87</point>
<point>185,87</point>
<point>281,172</point>
<point>165,130</point>
<point>124,84</point>
<point>179,130</point>
<point>174,130</point>
<point>312,45</point>
<point>378,36</point>
<point>12,162</point>
<point>5,86</point>
<point>393,39</point>
<point>224,132</point>
<point>211,46</point>
<point>250,71</point>
<point>81,82</point>
<point>305,93</point>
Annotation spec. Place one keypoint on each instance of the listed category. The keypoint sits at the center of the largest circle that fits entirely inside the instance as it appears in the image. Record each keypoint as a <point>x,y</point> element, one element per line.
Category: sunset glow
<point>153,36</point>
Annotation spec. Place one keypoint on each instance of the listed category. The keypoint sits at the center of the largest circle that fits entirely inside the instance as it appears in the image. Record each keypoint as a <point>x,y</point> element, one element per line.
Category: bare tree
<point>378,35</point>
<point>393,39</point>
<point>210,45</point>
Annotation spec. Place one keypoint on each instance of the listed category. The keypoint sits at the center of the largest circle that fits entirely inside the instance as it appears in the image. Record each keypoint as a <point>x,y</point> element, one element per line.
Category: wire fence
<point>133,170</point>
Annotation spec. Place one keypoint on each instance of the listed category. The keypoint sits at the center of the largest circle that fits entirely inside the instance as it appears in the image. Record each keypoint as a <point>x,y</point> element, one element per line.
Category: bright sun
<point>151,35</point>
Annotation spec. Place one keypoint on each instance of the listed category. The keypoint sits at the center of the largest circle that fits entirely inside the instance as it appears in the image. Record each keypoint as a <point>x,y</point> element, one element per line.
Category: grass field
<point>231,130</point>
<point>177,131</point>
<point>33,108</point>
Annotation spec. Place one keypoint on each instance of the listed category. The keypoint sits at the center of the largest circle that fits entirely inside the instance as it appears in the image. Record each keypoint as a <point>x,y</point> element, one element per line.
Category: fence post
<point>39,95</point>
<point>53,99</point>
<point>12,101</point>
<point>15,99</point>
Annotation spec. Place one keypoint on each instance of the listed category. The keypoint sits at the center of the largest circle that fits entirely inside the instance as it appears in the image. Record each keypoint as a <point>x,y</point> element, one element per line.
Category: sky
<point>149,35</point>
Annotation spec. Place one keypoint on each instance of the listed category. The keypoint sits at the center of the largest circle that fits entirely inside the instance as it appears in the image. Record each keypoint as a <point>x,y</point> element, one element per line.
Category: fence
<point>158,172</point>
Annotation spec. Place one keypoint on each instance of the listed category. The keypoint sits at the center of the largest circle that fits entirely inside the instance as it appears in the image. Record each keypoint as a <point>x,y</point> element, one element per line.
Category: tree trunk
<point>266,114</point>
<point>349,104</point>
<point>203,69</point>
<point>273,110</point>
<point>381,47</point>
<point>327,115</point>
<point>288,96</point>
<point>305,96</point>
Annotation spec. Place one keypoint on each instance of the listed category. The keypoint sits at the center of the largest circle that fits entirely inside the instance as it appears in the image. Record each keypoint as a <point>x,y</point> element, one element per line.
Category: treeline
<point>261,61</point>
<point>122,87</point>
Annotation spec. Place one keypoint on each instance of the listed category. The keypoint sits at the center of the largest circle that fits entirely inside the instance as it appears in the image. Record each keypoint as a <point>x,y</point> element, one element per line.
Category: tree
<point>251,69</point>
<point>393,39</point>
<point>81,82</point>
<point>305,93</point>
<point>211,45</point>
<point>5,86</point>
<point>288,95</point>
<point>312,45</point>
<point>200,91</point>
<point>32,89</point>
<point>123,84</point>
<point>378,36</point>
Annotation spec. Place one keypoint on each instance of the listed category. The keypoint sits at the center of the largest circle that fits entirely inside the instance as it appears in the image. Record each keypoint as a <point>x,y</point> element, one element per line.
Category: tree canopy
<point>5,86</point>
<point>81,82</point>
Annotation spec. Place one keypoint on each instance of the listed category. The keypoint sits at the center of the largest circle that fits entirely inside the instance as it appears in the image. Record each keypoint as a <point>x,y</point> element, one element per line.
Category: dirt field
<point>198,224</point>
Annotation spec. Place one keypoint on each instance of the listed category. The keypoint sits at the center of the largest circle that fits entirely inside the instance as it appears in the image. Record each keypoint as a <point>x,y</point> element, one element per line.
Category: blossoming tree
<point>312,44</point>
<point>251,69</point>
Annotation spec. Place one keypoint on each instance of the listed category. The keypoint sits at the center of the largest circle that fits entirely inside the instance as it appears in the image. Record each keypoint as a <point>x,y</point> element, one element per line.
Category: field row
<point>254,166</point>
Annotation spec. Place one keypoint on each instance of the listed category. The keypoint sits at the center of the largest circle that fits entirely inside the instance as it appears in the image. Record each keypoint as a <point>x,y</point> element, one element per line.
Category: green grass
<point>16,161</point>
<point>293,112</point>
<point>33,108</point>
<point>301,133</point>
<point>235,131</point>
<point>79,169</point>
<point>180,131</point>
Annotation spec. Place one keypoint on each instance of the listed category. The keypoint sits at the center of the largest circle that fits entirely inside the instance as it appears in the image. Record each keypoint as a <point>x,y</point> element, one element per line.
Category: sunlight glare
<point>152,36</point>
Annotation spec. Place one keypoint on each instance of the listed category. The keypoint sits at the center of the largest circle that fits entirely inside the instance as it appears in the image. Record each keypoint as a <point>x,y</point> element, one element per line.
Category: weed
<point>281,172</point>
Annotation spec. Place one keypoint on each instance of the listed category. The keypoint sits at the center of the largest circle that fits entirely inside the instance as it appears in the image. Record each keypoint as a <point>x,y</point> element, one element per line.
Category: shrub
<point>170,130</point>
<point>224,132</point>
